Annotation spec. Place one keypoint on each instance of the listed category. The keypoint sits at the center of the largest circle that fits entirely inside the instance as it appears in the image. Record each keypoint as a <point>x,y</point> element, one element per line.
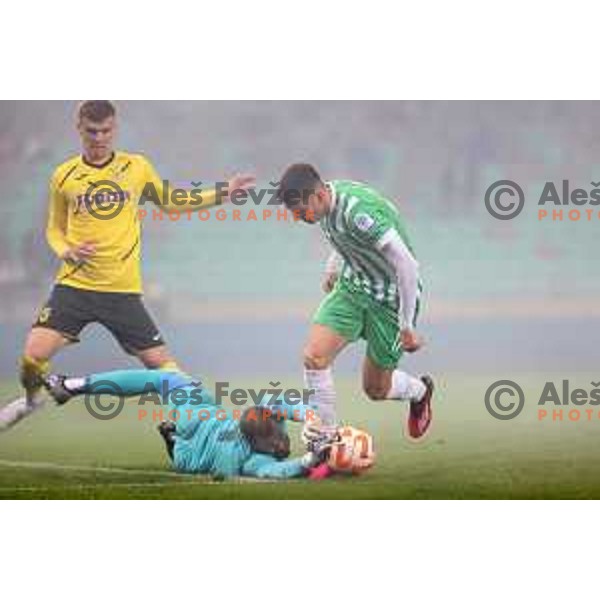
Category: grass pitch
<point>64,453</point>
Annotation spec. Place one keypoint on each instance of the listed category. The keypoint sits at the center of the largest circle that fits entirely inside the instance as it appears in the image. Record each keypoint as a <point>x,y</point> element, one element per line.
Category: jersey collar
<point>100,166</point>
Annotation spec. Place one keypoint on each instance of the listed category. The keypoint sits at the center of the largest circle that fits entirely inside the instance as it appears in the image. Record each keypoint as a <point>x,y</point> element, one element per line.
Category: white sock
<point>406,387</point>
<point>323,398</point>
<point>75,384</point>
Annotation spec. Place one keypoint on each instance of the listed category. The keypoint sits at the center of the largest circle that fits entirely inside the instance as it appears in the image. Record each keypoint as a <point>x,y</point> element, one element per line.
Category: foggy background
<point>235,298</point>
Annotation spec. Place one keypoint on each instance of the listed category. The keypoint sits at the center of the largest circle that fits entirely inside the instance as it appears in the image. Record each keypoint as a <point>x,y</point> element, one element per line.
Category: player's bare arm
<point>238,184</point>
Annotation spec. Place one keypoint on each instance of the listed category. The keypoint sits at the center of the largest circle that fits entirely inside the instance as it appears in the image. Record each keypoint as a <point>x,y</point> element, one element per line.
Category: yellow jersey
<point>100,204</point>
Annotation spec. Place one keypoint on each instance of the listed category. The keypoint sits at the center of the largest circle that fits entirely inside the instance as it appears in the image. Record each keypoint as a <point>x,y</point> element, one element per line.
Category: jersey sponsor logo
<point>101,200</point>
<point>363,221</point>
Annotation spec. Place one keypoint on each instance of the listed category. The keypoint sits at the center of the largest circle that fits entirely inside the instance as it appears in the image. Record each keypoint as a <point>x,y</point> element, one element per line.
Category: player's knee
<point>157,358</point>
<point>376,391</point>
<point>314,360</point>
<point>34,351</point>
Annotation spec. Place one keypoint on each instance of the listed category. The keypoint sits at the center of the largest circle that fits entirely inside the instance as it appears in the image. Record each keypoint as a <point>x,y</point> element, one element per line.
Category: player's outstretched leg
<point>388,384</point>
<point>123,383</point>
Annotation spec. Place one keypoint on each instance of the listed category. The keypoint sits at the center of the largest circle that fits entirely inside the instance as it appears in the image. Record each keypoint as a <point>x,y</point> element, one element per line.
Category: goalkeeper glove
<point>315,430</point>
<point>310,460</point>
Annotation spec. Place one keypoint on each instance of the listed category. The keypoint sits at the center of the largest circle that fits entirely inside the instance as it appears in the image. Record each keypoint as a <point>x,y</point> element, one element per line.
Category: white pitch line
<point>61,467</point>
<point>91,486</point>
<point>86,486</point>
<point>198,479</point>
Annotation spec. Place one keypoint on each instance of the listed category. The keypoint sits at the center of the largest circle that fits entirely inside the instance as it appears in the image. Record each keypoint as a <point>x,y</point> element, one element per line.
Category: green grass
<point>64,453</point>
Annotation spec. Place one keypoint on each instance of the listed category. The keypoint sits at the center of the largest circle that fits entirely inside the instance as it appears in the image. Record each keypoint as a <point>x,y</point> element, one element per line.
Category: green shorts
<point>354,315</point>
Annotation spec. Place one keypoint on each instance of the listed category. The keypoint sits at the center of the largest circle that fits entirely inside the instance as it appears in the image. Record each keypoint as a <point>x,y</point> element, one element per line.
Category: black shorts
<point>69,310</point>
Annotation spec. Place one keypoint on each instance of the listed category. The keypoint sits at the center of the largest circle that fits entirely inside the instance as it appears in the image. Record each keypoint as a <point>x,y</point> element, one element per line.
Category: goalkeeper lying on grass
<point>206,438</point>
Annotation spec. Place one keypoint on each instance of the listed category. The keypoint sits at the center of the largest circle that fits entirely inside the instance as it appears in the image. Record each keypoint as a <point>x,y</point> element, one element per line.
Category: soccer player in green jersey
<point>373,290</point>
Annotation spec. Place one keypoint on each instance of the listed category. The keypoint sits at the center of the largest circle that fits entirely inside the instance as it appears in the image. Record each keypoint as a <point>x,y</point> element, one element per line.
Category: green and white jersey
<point>359,224</point>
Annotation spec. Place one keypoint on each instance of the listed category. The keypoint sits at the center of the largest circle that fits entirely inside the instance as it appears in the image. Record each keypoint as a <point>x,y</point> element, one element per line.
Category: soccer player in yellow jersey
<point>94,228</point>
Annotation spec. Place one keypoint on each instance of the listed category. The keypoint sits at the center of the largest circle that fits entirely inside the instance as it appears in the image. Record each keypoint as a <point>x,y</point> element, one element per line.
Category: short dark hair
<point>299,181</point>
<point>96,111</point>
